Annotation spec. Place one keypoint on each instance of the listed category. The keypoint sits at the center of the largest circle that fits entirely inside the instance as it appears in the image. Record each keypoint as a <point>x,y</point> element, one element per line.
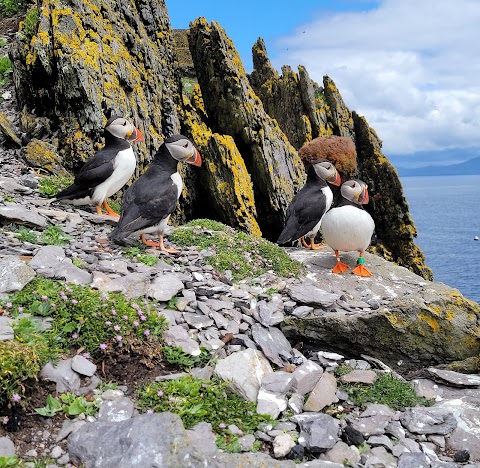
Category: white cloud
<point>411,67</point>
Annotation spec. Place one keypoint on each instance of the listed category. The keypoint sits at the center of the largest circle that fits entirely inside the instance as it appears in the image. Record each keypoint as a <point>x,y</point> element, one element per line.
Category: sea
<point>446,212</point>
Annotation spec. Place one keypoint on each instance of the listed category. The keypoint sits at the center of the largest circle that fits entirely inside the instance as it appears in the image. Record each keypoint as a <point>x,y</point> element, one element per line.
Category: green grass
<point>11,7</point>
<point>196,401</point>
<point>176,356</point>
<point>50,186</point>
<point>26,235</point>
<point>30,23</point>
<point>138,253</point>
<point>245,255</point>
<point>5,70</point>
<point>386,390</point>
<point>54,235</point>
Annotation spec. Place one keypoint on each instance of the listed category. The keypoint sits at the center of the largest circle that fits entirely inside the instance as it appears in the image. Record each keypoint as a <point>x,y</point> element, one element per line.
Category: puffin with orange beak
<point>348,227</point>
<point>153,197</point>
<point>106,172</point>
<point>308,207</point>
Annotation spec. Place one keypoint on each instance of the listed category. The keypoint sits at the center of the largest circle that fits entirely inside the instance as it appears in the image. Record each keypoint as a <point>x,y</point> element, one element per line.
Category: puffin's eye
<point>185,145</point>
<point>124,123</point>
<point>353,185</point>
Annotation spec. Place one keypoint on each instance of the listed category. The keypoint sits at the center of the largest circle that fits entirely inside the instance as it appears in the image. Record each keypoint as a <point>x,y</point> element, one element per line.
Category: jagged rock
<point>43,155</point>
<point>178,336</point>
<point>421,420</point>
<point>119,409</point>
<point>323,394</point>
<point>379,457</point>
<point>133,442</point>
<point>7,448</point>
<point>371,425</point>
<point>275,168</point>
<point>319,434</point>
<point>8,132</point>
<point>312,295</point>
<point>391,209</point>
<point>419,322</point>
<point>271,403</point>
<point>103,282</point>
<point>380,441</point>
<point>202,438</point>
<point>268,314</point>
<point>245,371</point>
<point>164,287</point>
<point>103,58</point>
<point>62,374</point>
<point>282,444</point>
<point>10,185</point>
<point>14,213</point>
<point>453,378</point>
<point>413,460</point>
<point>14,274</point>
<point>306,376</point>
<point>134,285</point>
<point>273,344</point>
<point>83,366</point>
<point>342,453</point>
<point>360,376</point>
<point>6,330</point>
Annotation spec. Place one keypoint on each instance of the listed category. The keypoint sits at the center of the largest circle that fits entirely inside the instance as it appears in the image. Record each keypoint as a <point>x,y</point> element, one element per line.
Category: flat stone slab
<point>14,274</point>
<point>21,214</point>
<point>454,378</point>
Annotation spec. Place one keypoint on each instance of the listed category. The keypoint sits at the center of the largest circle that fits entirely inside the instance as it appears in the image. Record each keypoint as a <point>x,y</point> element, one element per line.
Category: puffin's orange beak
<point>136,135</point>
<point>195,159</point>
<point>364,198</point>
<point>336,179</point>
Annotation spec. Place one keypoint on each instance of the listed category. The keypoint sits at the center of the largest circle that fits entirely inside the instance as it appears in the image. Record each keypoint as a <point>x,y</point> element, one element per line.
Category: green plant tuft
<point>176,356</point>
<point>196,401</point>
<point>70,404</point>
<point>245,255</point>
<point>11,7</point>
<point>386,390</point>
<point>139,254</point>
<point>50,186</point>
<point>54,235</point>
<point>26,235</point>
<point>30,23</point>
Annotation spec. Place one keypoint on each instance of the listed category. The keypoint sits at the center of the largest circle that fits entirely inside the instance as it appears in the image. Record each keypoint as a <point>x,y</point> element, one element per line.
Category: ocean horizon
<point>446,213</point>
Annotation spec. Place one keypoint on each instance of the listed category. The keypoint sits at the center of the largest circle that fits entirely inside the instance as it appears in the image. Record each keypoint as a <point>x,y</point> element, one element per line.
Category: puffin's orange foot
<point>360,270</point>
<point>150,243</point>
<point>340,268</point>
<point>312,245</point>
<point>110,211</point>
<point>172,251</point>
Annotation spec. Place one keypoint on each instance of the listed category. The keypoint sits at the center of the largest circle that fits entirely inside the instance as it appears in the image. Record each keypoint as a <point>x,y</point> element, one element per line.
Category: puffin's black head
<point>123,128</point>
<point>182,149</point>
<point>356,191</point>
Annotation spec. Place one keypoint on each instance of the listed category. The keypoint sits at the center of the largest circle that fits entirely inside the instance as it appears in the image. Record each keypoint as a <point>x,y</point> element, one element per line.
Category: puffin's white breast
<point>177,180</point>
<point>347,228</point>
<point>123,168</point>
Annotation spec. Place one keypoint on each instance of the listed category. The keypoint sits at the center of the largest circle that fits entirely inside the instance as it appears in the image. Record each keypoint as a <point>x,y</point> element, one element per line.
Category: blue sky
<point>409,66</point>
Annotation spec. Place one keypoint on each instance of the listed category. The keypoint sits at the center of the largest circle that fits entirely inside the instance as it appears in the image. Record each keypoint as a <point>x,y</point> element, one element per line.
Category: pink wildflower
<point>103,346</point>
<point>160,393</point>
<point>118,338</point>
<point>16,397</point>
<point>117,327</point>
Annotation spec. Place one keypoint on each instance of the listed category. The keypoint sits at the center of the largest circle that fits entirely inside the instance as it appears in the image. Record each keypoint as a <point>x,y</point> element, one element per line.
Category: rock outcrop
<point>86,60</point>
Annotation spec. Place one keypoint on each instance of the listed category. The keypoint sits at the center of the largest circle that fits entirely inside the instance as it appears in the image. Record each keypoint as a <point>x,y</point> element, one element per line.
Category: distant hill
<point>466,168</point>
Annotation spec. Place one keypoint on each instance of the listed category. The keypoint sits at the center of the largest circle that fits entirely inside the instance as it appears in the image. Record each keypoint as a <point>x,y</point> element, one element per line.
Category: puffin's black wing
<point>96,170</point>
<point>148,200</point>
<point>307,208</point>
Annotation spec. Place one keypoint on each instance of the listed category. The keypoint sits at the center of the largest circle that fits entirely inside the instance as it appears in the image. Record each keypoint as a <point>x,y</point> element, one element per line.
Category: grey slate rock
<point>268,314</point>
<point>14,274</point>
<point>319,434</point>
<point>342,453</point>
<point>309,294</point>
<point>352,436</point>
<point>116,410</point>
<point>324,393</point>
<point>413,460</point>
<point>83,366</point>
<point>277,382</point>
<point>306,377</point>
<point>202,438</point>
<point>178,336</point>
<point>455,379</point>
<point>273,344</point>
<point>67,380</point>
<point>270,403</point>
<point>164,287</point>
<point>14,213</point>
<point>134,443</point>
<point>421,420</point>
<point>6,330</point>
<point>7,448</point>
<point>134,285</point>
<point>245,371</point>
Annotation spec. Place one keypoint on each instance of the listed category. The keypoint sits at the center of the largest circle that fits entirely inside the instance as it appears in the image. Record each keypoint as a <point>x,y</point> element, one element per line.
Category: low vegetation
<point>5,70</point>
<point>195,401</point>
<point>30,23</point>
<point>387,390</point>
<point>138,253</point>
<point>11,7</point>
<point>50,186</point>
<point>245,255</point>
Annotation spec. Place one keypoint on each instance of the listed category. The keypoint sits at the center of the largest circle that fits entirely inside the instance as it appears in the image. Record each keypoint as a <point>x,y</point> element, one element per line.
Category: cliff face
<point>88,59</point>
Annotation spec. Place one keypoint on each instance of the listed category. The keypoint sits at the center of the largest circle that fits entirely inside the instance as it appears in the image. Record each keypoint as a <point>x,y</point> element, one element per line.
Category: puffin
<point>153,197</point>
<point>348,226</point>
<point>308,207</point>
<point>106,172</point>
